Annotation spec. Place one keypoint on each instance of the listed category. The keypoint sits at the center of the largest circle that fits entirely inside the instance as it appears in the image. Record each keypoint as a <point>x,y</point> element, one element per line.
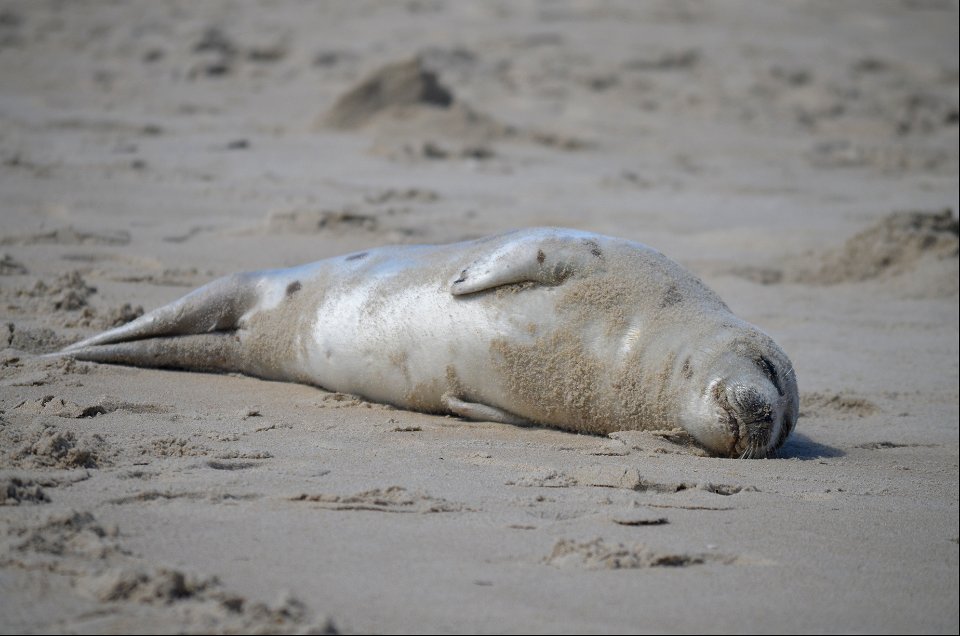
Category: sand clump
<point>106,318</point>
<point>407,99</point>
<point>891,247</point>
<point>413,115</point>
<point>76,547</point>
<point>43,445</point>
<point>216,54</point>
<point>67,292</point>
<point>913,251</point>
<point>391,499</point>
<point>31,339</point>
<point>9,266</point>
<point>197,603</point>
<point>15,490</point>
<point>313,221</point>
<point>69,534</point>
<point>836,405</point>
<point>395,86</point>
<point>377,212</point>
<point>65,301</point>
<point>69,235</point>
<point>600,555</point>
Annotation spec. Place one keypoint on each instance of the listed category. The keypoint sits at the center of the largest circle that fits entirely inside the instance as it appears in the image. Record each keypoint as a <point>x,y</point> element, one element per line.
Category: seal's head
<point>745,400</point>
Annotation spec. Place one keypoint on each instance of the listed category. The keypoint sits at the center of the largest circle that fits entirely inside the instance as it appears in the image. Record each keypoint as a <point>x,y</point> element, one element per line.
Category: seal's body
<point>550,326</point>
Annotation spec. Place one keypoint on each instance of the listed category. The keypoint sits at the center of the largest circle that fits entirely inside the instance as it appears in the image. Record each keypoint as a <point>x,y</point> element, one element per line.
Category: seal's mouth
<point>757,440</point>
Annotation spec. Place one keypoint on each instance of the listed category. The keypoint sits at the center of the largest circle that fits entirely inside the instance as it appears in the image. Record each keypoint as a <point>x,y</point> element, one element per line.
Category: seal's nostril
<point>749,402</point>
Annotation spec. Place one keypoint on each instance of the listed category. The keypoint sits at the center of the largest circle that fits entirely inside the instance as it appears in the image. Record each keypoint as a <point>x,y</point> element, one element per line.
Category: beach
<point>800,158</point>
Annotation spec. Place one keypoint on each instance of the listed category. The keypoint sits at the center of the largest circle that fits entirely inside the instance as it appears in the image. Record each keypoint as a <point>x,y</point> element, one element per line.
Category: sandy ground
<point>802,158</point>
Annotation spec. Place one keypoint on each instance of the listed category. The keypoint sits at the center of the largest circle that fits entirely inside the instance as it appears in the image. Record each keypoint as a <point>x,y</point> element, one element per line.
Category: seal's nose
<point>750,403</point>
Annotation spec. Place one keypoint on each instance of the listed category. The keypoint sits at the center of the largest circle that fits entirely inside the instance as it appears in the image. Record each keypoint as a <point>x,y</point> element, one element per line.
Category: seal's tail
<point>217,352</point>
<point>197,331</point>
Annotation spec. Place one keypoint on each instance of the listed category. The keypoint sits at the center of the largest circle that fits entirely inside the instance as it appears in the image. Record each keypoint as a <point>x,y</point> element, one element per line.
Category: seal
<point>547,326</point>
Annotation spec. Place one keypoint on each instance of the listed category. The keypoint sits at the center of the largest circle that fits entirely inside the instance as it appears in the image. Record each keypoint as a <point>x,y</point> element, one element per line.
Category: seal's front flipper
<point>480,412</point>
<point>539,256</point>
<point>216,306</point>
<point>220,352</point>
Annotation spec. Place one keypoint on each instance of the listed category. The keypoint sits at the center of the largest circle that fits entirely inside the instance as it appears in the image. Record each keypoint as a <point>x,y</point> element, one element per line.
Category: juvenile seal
<point>557,327</point>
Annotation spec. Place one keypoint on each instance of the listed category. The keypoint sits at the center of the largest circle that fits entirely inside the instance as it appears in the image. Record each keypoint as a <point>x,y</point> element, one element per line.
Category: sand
<point>801,158</point>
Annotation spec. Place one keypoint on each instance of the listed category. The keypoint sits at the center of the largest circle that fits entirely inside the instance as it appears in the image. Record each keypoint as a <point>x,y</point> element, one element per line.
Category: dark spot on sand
<point>887,445</point>
<point>293,288</point>
<point>671,297</point>
<point>356,257</point>
<point>687,369</point>
<point>217,465</point>
<point>541,256</point>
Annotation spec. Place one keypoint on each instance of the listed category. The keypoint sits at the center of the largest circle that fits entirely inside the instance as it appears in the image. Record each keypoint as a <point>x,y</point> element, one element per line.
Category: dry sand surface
<point>802,158</point>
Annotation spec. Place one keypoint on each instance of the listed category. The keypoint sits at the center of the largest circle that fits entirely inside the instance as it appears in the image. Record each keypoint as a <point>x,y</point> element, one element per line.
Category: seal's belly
<point>408,343</point>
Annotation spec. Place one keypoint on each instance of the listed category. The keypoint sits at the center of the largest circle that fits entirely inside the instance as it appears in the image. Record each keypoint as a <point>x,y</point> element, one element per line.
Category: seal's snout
<point>753,407</point>
<point>750,403</point>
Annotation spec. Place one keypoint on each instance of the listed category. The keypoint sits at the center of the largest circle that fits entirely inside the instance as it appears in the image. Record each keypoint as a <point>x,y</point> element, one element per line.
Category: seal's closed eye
<point>770,371</point>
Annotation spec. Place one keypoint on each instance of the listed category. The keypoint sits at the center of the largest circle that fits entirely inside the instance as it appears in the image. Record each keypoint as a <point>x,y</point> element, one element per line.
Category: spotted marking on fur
<point>671,297</point>
<point>594,248</point>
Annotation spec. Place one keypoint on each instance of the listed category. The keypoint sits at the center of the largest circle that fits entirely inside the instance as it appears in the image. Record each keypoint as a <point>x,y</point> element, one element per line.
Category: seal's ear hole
<point>771,372</point>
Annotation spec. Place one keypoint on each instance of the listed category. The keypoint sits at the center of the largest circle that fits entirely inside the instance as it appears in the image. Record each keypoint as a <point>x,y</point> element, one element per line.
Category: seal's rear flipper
<point>201,352</point>
<point>216,306</point>
<point>480,412</point>
<point>544,257</point>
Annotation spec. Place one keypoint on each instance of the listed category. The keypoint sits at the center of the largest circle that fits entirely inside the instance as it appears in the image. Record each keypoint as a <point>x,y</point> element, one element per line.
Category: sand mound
<point>407,99</point>
<point>913,252</point>
<point>892,246</point>
<point>413,116</point>
<point>398,85</point>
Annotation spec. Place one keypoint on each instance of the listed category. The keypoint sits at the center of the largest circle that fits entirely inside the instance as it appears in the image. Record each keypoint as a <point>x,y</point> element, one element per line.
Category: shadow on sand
<point>799,446</point>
